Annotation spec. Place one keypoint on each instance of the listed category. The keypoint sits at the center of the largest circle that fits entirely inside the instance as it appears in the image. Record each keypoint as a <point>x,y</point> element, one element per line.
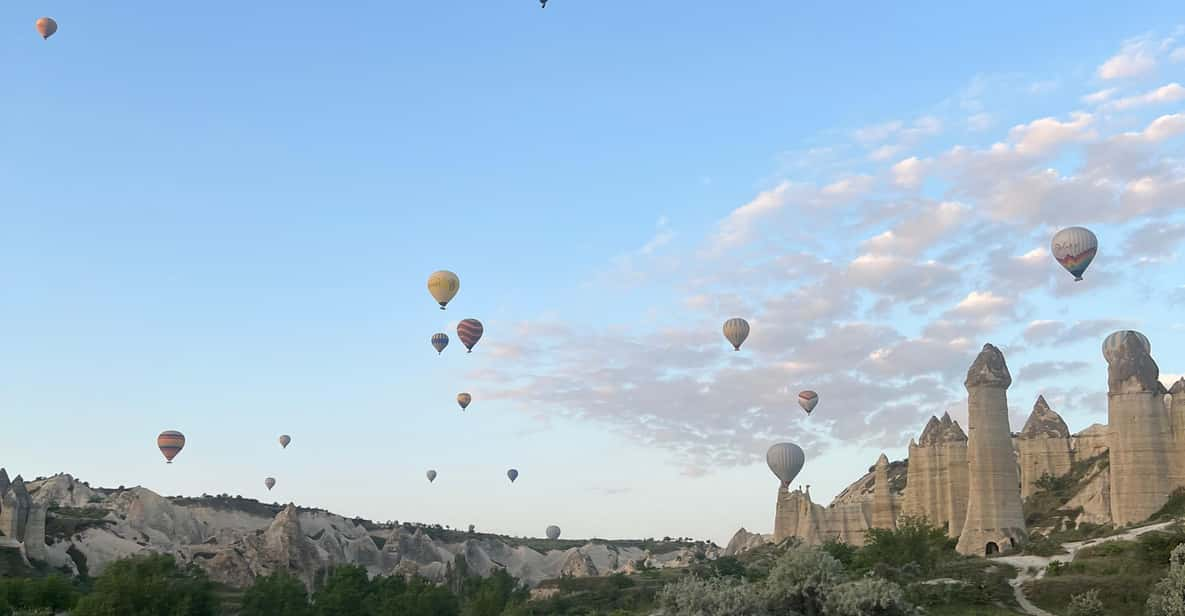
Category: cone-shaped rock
<point>1043,447</point>
<point>1141,461</point>
<point>995,521</point>
<point>882,500</point>
<point>937,475</point>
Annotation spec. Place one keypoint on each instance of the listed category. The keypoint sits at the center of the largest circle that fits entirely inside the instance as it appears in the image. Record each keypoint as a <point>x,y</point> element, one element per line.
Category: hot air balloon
<point>553,532</point>
<point>439,341</point>
<point>284,440</point>
<point>785,460</point>
<point>170,443</point>
<point>1075,248</point>
<point>46,26</point>
<point>1112,342</point>
<point>431,476</point>
<point>736,330</point>
<point>443,285</point>
<point>469,331</point>
<point>270,482</point>
<point>807,399</point>
<point>464,399</point>
<point>513,474</point>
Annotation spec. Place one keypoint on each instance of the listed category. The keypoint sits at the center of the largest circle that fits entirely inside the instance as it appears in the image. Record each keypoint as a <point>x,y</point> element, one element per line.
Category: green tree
<point>868,597</point>
<point>491,595</point>
<point>278,594</point>
<point>345,593</point>
<point>394,596</point>
<point>800,581</point>
<point>914,541</point>
<point>1168,598</point>
<point>1086,604</point>
<point>150,585</point>
<point>53,593</point>
<point>692,596</point>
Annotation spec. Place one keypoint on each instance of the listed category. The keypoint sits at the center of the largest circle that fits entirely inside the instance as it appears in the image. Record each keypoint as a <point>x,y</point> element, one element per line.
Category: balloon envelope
<point>443,285</point>
<point>464,399</point>
<point>736,330</point>
<point>512,474</point>
<point>284,440</point>
<point>553,532</point>
<point>270,483</point>
<point>431,476</point>
<point>1074,248</point>
<point>469,331</point>
<point>785,460</point>
<point>170,443</point>
<point>46,27</point>
<point>439,341</point>
<point>807,399</point>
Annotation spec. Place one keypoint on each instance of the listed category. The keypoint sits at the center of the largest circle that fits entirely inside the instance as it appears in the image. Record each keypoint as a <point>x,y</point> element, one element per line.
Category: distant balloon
<point>512,474</point>
<point>807,399</point>
<point>469,331</point>
<point>431,476</point>
<point>270,482</point>
<point>785,460</point>
<point>553,532</point>
<point>443,285</point>
<point>46,27</point>
<point>439,341</point>
<point>284,440</point>
<point>1075,248</point>
<point>170,443</point>
<point>1111,343</point>
<point>736,330</point>
<point>464,399</point>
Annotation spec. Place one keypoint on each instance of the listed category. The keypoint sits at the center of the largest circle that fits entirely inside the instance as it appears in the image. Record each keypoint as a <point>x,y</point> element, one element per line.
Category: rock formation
<point>1177,423</point>
<point>882,505</point>
<point>1043,446</point>
<point>1140,435</point>
<point>995,520</point>
<point>743,541</point>
<point>1091,442</point>
<point>938,486</point>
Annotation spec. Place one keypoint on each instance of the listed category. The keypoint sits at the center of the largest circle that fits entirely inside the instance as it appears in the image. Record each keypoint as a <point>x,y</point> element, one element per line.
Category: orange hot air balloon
<point>170,443</point>
<point>46,27</point>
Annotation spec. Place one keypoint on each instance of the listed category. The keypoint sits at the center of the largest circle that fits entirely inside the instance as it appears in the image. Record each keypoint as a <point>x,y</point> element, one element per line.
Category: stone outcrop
<point>1177,424</point>
<point>882,504</point>
<point>937,486</point>
<point>1091,442</point>
<point>995,520</point>
<point>578,564</point>
<point>1140,434</point>
<point>743,541</point>
<point>1043,447</point>
<point>15,504</point>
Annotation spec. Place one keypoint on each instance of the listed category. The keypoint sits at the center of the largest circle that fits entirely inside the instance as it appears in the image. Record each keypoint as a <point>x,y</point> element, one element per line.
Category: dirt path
<point>1024,563</point>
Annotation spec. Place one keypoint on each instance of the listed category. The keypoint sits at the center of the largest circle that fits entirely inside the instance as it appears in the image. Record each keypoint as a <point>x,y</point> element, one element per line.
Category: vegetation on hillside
<point>1046,508</point>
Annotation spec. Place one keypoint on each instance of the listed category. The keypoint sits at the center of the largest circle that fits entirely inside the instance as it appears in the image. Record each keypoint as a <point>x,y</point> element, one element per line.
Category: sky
<point>220,218</point>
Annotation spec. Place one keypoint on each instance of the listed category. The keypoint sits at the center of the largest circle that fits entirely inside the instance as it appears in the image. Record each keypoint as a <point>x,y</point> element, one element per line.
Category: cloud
<point>918,233</point>
<point>1099,96</point>
<point>1135,59</point>
<point>1170,93</point>
<point>908,173</point>
<point>1044,370</point>
<point>1154,241</point>
<point>1044,135</point>
<point>1178,55</point>
<point>979,122</point>
<point>1058,333</point>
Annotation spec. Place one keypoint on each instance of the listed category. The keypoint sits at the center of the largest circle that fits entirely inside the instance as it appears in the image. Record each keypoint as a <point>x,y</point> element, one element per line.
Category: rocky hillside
<point>236,539</point>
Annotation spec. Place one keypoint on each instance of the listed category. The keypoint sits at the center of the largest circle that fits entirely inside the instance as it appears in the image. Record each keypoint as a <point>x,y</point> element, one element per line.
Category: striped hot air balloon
<point>512,474</point>
<point>1075,248</point>
<point>284,440</point>
<point>736,330</point>
<point>785,460</point>
<point>270,482</point>
<point>443,285</point>
<point>469,331</point>
<point>553,532</point>
<point>439,341</point>
<point>1111,343</point>
<point>431,476</point>
<point>807,399</point>
<point>464,399</point>
<point>170,443</point>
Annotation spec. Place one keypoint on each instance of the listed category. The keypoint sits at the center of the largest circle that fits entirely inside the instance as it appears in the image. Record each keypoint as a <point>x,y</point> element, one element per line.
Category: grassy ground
<point>1124,572</point>
<point>973,610</point>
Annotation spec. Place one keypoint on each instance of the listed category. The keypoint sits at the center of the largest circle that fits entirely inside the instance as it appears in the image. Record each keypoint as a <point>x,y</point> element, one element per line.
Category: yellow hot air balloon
<point>46,27</point>
<point>443,285</point>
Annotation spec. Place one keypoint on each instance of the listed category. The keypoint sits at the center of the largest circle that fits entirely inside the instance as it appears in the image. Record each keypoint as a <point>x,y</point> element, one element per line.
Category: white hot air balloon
<point>553,532</point>
<point>1074,248</point>
<point>785,460</point>
<point>736,330</point>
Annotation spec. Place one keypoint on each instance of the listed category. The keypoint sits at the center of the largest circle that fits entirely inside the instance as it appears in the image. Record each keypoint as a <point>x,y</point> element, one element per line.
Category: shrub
<point>801,579</point>
<point>868,597</point>
<point>1086,604</point>
<point>714,597</point>
<point>1168,597</point>
<point>914,541</point>
<point>278,593</point>
<point>150,585</point>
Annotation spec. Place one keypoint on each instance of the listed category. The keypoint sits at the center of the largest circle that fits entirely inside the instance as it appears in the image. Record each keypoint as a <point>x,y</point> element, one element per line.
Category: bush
<point>278,593</point>
<point>914,541</point>
<point>714,597</point>
<point>150,585</point>
<point>1168,597</point>
<point>801,579</point>
<point>1086,604</point>
<point>840,550</point>
<point>868,597</point>
<point>53,593</point>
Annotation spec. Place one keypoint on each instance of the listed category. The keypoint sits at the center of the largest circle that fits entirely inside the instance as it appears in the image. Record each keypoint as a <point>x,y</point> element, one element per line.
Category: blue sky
<point>219,218</point>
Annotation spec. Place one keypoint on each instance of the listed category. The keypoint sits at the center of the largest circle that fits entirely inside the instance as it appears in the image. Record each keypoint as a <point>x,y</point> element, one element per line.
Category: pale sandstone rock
<point>937,486</point>
<point>1091,442</point>
<point>1043,447</point>
<point>1177,423</point>
<point>1140,437</point>
<point>882,505</point>
<point>994,514</point>
<point>743,541</point>
<point>1094,497</point>
<point>578,564</point>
